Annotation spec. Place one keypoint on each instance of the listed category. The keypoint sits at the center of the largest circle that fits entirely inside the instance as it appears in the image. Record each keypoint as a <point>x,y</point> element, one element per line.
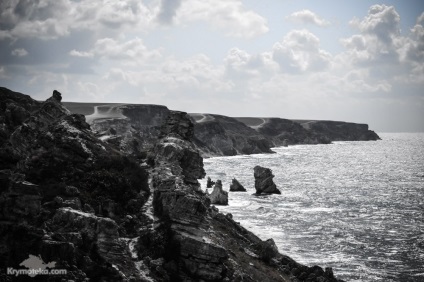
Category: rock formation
<point>66,195</point>
<point>86,205</point>
<point>218,196</point>
<point>135,129</point>
<point>236,186</point>
<point>283,132</point>
<point>263,181</point>
<point>209,183</point>
<point>221,135</point>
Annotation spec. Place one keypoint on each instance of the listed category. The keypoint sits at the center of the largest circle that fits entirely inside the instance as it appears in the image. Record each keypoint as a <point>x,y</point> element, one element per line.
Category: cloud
<point>168,10</point>
<point>52,19</point>
<point>379,40</point>
<point>33,19</point>
<point>382,50</point>
<point>110,48</point>
<point>229,16</point>
<point>382,21</point>
<point>307,17</point>
<point>239,64</point>
<point>20,52</point>
<point>299,51</point>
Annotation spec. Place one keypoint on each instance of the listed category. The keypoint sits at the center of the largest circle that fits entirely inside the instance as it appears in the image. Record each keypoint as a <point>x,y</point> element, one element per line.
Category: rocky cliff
<point>71,198</point>
<point>135,129</point>
<point>281,132</point>
<point>221,135</point>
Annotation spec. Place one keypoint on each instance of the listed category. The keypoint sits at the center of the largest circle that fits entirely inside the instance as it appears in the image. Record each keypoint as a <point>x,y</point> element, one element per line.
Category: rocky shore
<point>119,200</point>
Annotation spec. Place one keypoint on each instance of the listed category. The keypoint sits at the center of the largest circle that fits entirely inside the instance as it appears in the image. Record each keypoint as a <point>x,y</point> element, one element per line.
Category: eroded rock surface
<point>264,182</point>
<point>218,195</point>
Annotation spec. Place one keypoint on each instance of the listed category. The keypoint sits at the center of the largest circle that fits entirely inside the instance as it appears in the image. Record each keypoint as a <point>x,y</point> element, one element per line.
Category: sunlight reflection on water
<point>355,206</point>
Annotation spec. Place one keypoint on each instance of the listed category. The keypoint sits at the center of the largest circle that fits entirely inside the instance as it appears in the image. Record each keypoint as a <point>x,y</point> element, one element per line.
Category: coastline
<point>87,186</point>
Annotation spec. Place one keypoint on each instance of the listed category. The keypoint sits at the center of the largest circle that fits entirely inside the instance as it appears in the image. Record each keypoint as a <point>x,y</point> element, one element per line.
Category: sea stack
<point>236,186</point>
<point>218,196</point>
<point>264,182</point>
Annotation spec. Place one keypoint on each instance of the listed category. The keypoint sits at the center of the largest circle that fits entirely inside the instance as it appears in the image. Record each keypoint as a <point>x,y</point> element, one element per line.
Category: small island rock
<point>236,186</point>
<point>218,196</point>
<point>264,182</point>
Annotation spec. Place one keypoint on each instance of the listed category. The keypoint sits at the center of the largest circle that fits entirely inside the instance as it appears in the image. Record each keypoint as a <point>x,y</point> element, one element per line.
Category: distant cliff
<point>221,135</point>
<point>135,128</point>
<point>290,132</point>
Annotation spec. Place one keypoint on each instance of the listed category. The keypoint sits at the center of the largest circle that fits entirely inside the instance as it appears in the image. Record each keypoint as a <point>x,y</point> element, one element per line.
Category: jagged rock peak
<point>178,124</point>
<point>57,95</point>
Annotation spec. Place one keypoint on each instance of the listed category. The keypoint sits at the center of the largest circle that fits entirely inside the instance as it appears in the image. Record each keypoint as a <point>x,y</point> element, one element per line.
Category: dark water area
<point>355,206</point>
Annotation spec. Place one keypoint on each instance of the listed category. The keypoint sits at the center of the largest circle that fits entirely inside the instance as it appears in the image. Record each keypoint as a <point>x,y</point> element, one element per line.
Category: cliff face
<point>66,196</point>
<point>282,132</point>
<point>221,135</point>
<point>85,204</point>
<point>342,131</point>
<point>134,129</point>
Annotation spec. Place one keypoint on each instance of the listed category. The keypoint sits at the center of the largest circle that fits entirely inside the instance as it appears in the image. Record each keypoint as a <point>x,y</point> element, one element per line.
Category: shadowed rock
<point>209,183</point>
<point>236,186</point>
<point>264,182</point>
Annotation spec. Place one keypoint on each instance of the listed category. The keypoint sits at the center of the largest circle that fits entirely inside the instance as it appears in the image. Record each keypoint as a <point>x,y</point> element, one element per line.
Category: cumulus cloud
<point>382,50</point>
<point>168,10</point>
<point>36,19</point>
<point>52,19</point>
<point>299,51</point>
<point>110,48</point>
<point>379,40</point>
<point>307,17</point>
<point>239,64</point>
<point>382,22</point>
<point>229,16</point>
<point>20,52</point>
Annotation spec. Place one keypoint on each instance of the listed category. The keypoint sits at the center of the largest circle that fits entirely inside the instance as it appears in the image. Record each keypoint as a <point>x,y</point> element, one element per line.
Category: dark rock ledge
<point>71,198</point>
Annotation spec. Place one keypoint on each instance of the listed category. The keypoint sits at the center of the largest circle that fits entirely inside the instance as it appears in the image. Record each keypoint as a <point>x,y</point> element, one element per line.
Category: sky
<point>357,61</point>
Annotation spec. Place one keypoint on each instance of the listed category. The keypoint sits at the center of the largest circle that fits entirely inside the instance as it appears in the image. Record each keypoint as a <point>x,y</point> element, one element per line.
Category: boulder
<point>236,186</point>
<point>264,182</point>
<point>218,196</point>
<point>268,250</point>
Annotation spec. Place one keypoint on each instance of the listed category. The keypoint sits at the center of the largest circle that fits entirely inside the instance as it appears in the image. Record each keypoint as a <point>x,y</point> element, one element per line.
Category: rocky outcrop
<point>218,196</point>
<point>66,196</point>
<point>209,183</point>
<point>226,136</point>
<point>263,181</point>
<point>236,186</point>
<point>133,129</point>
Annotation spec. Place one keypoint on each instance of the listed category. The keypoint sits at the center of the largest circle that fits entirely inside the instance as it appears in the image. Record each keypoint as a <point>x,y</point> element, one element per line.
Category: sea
<point>357,207</point>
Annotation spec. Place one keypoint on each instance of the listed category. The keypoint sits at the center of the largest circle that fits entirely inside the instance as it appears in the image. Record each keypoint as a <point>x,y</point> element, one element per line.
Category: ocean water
<point>355,206</point>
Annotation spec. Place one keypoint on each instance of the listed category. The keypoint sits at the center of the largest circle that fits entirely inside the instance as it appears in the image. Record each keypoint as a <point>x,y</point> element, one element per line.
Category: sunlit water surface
<point>355,206</point>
